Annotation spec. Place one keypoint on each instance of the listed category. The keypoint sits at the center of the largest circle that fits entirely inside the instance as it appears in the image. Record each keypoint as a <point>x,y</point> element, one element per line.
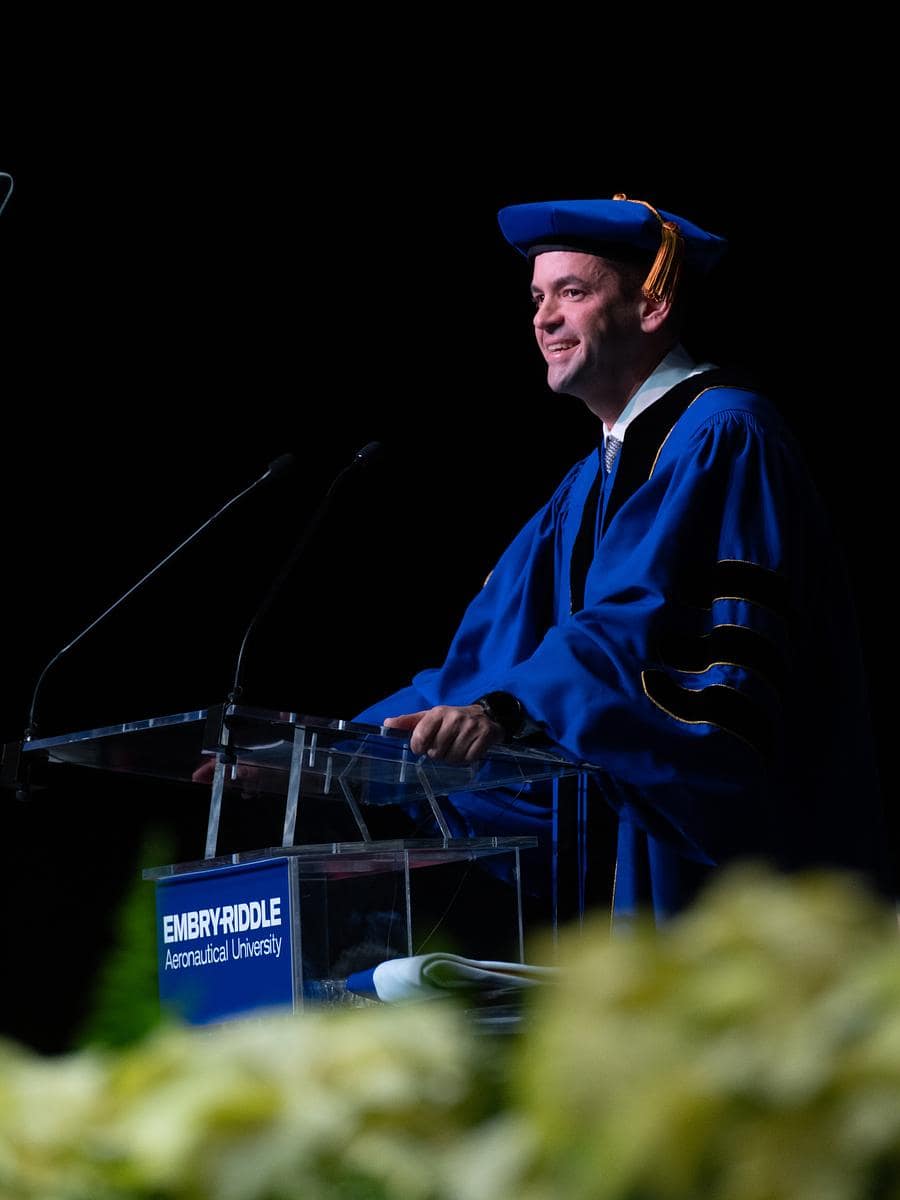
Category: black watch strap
<point>506,710</point>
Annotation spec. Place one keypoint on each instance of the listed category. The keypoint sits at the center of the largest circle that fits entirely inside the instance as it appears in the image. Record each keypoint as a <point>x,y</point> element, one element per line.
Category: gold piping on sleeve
<point>721,662</point>
<point>732,625</point>
<point>685,721</point>
<point>746,600</point>
<point>748,562</point>
<point>701,637</point>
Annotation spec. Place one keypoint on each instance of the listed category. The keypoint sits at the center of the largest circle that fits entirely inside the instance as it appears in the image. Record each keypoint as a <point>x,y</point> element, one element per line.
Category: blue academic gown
<point>685,625</point>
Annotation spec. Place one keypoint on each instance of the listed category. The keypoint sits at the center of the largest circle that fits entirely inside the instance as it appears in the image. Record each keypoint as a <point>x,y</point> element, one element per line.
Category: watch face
<point>506,710</point>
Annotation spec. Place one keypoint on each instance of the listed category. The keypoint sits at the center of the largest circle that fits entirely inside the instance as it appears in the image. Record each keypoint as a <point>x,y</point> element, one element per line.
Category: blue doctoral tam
<point>606,227</point>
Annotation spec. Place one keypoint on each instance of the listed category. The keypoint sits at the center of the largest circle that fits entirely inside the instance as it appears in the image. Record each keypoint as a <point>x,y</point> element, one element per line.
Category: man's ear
<point>654,313</point>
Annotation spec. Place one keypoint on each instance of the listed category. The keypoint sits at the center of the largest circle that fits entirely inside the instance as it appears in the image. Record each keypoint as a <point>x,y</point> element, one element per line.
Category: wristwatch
<point>507,711</point>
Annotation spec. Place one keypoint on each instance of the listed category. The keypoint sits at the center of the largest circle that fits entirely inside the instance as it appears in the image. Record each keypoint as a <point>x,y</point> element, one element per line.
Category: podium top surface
<point>262,747</point>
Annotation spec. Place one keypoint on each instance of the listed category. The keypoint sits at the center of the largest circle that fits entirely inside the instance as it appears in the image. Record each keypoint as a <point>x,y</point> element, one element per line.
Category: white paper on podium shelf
<point>430,975</point>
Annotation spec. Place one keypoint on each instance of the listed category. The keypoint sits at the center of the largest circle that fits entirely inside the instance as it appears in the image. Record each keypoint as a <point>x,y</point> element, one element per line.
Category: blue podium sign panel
<point>224,941</point>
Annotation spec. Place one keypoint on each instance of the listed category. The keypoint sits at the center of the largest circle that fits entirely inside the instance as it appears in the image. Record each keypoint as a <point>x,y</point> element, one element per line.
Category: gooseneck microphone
<point>362,458</point>
<point>9,189</point>
<point>281,466</point>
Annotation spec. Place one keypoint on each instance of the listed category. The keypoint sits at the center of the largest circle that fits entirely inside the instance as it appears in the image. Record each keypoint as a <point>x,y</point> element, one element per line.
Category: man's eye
<point>536,300</point>
<point>572,292</point>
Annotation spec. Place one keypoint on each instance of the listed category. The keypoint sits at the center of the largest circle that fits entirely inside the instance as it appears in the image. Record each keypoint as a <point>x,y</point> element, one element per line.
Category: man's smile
<point>557,348</point>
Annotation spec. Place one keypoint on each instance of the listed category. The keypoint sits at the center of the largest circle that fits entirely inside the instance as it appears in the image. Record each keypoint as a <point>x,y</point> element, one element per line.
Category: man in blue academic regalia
<point>677,613</point>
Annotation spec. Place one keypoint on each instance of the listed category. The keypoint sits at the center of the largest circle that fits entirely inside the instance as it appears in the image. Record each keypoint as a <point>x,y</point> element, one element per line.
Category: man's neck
<point>608,400</point>
<point>674,367</point>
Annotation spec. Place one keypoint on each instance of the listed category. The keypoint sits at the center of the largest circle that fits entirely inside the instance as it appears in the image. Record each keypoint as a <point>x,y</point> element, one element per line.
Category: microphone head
<point>367,454</point>
<point>283,465</point>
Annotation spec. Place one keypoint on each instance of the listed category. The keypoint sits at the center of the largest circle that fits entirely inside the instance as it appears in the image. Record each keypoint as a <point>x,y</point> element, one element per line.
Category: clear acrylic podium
<point>285,925</point>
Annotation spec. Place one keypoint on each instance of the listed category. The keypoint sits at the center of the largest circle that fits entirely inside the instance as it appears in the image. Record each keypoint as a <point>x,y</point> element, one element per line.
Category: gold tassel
<point>662,280</point>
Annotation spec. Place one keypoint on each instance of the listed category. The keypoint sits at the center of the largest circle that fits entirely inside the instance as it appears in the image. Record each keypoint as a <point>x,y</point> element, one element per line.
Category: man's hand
<point>205,772</point>
<point>454,734</point>
<point>246,777</point>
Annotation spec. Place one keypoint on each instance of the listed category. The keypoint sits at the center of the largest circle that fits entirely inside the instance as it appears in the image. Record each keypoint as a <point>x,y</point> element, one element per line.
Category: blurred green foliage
<point>749,1051</point>
<point>125,1001</point>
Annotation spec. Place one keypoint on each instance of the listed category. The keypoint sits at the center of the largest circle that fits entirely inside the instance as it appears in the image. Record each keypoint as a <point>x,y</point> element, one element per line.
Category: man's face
<point>587,322</point>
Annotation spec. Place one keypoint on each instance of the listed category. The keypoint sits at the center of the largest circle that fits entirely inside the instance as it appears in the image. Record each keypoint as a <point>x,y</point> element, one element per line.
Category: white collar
<point>676,366</point>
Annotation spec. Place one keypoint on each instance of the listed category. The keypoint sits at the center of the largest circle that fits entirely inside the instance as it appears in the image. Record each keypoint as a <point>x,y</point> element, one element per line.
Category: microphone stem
<point>290,562</point>
<point>31,728</point>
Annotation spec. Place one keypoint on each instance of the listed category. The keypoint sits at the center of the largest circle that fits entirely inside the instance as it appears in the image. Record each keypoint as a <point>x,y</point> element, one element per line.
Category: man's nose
<point>547,315</point>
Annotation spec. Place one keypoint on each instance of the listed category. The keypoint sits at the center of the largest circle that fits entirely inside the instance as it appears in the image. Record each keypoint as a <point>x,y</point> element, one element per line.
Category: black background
<point>185,298</point>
